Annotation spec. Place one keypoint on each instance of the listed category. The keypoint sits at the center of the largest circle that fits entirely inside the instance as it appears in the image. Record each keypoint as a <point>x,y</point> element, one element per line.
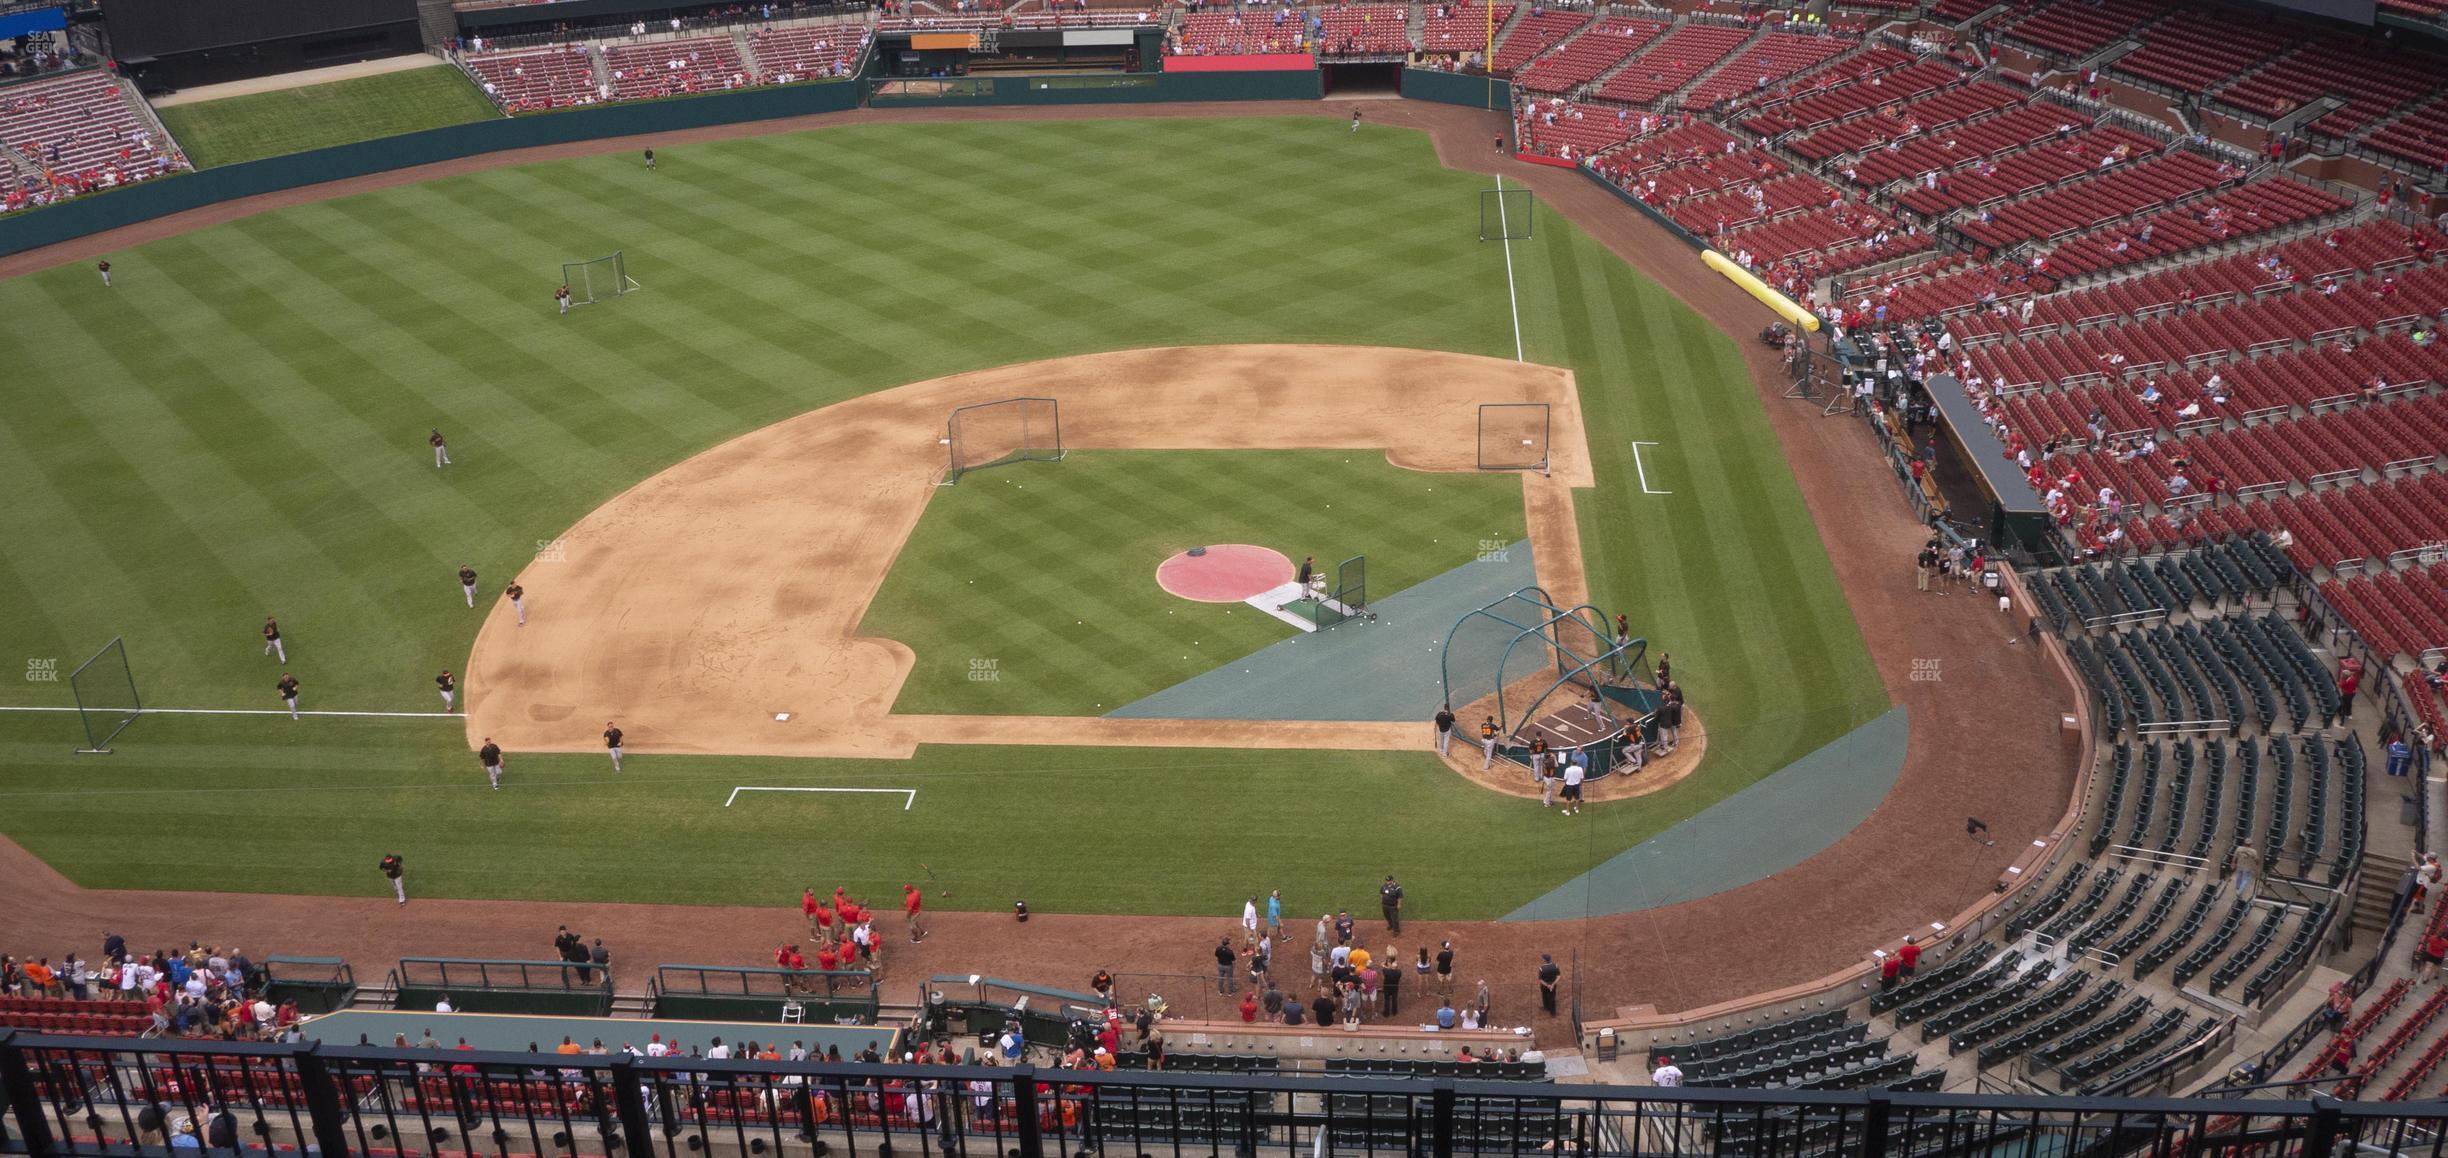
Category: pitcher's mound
<point>1228,573</point>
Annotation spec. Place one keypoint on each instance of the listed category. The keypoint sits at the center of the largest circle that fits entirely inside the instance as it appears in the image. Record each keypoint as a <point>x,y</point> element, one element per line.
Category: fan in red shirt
<point>911,901</point>
<point>1910,954</point>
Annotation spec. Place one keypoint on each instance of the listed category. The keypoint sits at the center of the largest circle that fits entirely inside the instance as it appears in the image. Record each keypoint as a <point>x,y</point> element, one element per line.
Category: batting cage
<point>1504,214</point>
<point>1544,671</point>
<point>1513,435</point>
<point>1339,599</point>
<point>994,433</point>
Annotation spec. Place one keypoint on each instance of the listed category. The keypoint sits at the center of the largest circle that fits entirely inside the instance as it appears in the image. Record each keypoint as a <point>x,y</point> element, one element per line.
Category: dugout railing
<point>543,988</point>
<point>90,1096</point>
<point>751,993</point>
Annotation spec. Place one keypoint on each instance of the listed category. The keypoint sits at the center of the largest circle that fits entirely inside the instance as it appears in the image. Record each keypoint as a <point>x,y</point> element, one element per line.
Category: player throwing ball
<point>490,756</point>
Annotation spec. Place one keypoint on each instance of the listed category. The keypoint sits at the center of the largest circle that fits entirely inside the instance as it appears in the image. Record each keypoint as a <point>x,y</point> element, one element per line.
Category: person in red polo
<point>1889,966</point>
<point>1910,955</point>
<point>823,918</point>
<point>807,907</point>
<point>911,901</point>
<point>826,958</point>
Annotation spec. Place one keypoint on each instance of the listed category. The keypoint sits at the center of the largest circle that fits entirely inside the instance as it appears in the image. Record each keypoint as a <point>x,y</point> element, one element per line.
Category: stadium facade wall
<point>158,198</point>
<point>1455,88</point>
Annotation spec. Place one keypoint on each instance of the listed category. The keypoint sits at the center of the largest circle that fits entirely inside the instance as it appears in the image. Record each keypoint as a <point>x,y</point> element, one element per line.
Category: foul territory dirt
<point>1985,739</point>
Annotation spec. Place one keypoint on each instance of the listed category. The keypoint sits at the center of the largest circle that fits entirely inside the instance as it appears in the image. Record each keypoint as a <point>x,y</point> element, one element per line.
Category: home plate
<point>1273,599</point>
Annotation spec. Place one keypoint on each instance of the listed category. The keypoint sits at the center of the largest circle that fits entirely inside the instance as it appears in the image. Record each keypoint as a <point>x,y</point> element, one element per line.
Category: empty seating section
<point>1555,127</point>
<point>1364,30</point>
<point>1776,56</point>
<point>83,131</point>
<point>1537,32</point>
<point>1880,77</point>
<point>2118,191</point>
<point>1455,29</point>
<point>547,78</point>
<point>2420,136</point>
<point>1672,62</point>
<point>2020,173</point>
<point>1939,114</point>
<point>1949,149</point>
<point>1601,47</point>
<point>2194,50</point>
<point>2372,83</point>
<point>66,1015</point>
<point>787,54</point>
<point>2080,29</point>
<point>1958,11</point>
<point>1233,33</point>
<point>2239,211</point>
<point>1715,211</point>
<point>1686,161</point>
<point>671,67</point>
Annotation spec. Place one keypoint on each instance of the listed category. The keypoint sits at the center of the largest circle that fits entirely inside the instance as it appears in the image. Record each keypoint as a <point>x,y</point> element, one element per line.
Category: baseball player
<point>1355,120</point>
<point>272,639</point>
<point>441,449</point>
<point>289,692</point>
<point>467,583</point>
<point>448,686</point>
<point>518,600</point>
<point>650,159</point>
<point>392,868</point>
<point>104,266</point>
<point>561,296</point>
<point>490,757</point>
<point>612,742</point>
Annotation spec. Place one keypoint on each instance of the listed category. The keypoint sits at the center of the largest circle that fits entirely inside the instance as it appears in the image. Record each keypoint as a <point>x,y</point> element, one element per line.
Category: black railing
<point>94,1096</point>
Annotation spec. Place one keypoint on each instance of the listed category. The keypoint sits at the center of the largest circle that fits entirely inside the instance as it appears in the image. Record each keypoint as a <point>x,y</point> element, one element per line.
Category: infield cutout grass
<point>1031,590</point>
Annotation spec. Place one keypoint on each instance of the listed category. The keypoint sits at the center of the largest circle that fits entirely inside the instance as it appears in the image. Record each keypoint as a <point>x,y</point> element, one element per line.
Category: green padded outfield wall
<point>102,211</point>
<point>1455,88</point>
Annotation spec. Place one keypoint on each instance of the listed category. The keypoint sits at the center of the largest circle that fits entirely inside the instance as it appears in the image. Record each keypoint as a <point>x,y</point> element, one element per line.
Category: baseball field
<point>237,428</point>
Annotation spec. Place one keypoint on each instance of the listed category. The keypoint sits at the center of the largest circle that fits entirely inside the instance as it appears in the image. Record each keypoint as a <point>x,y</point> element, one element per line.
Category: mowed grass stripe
<point>786,272</point>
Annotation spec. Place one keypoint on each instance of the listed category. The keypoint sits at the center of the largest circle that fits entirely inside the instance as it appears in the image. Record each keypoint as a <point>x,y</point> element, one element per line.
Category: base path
<point>714,607</point>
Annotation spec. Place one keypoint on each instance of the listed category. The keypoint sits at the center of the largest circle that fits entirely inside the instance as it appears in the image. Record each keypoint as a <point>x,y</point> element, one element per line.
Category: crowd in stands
<point>201,991</point>
<point>76,134</point>
<point>583,73</point>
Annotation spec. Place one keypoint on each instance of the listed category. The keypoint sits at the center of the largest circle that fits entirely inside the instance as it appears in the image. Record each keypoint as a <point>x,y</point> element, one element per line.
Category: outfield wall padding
<point>157,198</point>
<point>1456,88</point>
<point>1149,88</point>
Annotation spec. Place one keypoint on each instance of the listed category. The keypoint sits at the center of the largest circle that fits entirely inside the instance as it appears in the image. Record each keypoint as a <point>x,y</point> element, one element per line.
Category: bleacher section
<point>1461,29</point>
<point>73,134</point>
<point>1536,33</point>
<point>1775,57</point>
<point>784,55</point>
<point>1581,59</point>
<point>1364,30</point>
<point>554,77</point>
<point>675,67</point>
<point>65,1015</point>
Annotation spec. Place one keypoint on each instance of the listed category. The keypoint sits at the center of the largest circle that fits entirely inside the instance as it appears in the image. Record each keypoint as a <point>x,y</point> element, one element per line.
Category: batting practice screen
<point>105,690</point>
<point>994,433</point>
<point>1504,214</point>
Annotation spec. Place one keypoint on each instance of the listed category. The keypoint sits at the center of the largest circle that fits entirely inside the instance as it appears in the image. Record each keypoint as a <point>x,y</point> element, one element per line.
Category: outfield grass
<point>237,427</point>
<point>1049,570</point>
<point>315,116</point>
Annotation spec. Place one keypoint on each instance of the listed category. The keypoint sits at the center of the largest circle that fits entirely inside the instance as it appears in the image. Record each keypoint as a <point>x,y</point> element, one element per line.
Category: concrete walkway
<point>289,80</point>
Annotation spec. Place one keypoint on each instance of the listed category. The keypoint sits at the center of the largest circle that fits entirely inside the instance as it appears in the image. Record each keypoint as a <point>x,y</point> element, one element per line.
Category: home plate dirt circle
<point>1228,573</point>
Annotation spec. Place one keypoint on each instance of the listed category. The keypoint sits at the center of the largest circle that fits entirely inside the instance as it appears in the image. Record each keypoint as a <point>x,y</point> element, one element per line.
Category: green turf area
<point>410,787</point>
<point>237,427</point>
<point>1048,570</point>
<point>269,124</point>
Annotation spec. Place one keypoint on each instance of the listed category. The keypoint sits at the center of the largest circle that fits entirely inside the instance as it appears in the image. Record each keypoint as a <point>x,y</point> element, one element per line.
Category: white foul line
<point>1512,297</point>
<point>910,794</point>
<point>246,712</point>
<point>1644,471</point>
